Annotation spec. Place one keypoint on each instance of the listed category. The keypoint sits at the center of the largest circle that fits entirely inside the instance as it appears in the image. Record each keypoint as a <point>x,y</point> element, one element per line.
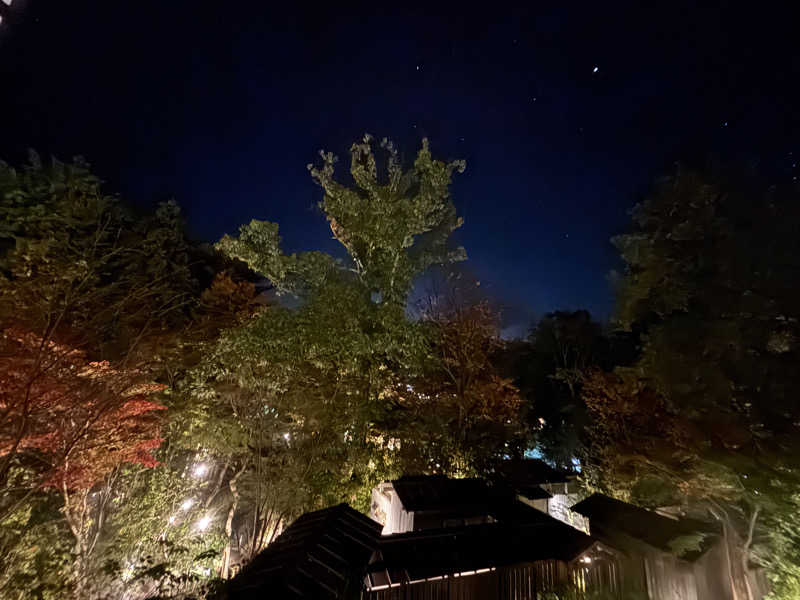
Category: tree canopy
<point>707,415</point>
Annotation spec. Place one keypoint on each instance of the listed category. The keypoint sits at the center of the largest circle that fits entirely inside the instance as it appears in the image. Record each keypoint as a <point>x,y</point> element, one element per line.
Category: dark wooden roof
<point>532,492</point>
<point>437,492</point>
<point>609,517</point>
<point>531,472</point>
<point>431,553</point>
<point>321,555</point>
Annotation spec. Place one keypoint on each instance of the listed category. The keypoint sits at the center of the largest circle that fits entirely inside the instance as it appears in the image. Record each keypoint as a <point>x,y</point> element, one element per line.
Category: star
<point>595,70</point>
<point>417,67</point>
<point>725,124</point>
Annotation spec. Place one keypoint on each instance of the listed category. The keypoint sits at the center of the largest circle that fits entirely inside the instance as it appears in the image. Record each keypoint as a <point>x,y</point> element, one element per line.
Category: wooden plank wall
<point>669,578</point>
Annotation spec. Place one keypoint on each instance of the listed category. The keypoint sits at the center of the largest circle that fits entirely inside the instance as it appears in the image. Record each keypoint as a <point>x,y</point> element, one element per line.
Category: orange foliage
<point>72,420</point>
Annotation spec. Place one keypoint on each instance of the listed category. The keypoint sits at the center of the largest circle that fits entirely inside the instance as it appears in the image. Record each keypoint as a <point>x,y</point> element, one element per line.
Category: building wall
<point>558,508</point>
<point>559,505</point>
<point>387,509</point>
<point>525,581</point>
<point>669,578</point>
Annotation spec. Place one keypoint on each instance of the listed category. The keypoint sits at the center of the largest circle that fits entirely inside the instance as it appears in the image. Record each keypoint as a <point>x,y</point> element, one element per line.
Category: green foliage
<point>393,226</point>
<point>781,555</point>
<point>77,266</point>
<point>35,552</point>
<point>685,544</point>
<point>709,408</point>
<point>296,396</point>
<point>89,280</point>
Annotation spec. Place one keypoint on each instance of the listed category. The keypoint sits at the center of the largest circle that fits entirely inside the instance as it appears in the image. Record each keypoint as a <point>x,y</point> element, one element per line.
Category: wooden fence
<point>528,581</point>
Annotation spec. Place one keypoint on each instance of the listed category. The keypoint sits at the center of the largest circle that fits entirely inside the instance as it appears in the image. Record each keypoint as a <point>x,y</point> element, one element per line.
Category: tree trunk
<point>722,517</point>
<point>226,555</point>
<point>746,552</point>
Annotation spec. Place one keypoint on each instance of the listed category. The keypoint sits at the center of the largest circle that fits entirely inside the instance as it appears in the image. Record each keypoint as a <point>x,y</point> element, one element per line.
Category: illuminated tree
<point>302,390</point>
<point>88,292</point>
<point>457,415</point>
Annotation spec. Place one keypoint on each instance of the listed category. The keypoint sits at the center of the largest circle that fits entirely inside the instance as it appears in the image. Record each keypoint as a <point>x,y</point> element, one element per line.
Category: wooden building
<point>522,554</point>
<point>425,501</point>
<point>661,557</point>
<point>464,539</point>
<point>467,539</point>
<point>322,555</point>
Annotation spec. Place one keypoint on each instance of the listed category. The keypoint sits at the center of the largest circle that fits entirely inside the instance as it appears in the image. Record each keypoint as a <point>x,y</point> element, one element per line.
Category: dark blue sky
<point>222,104</point>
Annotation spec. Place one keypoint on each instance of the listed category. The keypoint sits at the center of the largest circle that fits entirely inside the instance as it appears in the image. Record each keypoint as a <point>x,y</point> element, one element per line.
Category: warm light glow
<point>435,578</point>
<point>586,559</point>
<point>203,523</point>
<point>187,504</point>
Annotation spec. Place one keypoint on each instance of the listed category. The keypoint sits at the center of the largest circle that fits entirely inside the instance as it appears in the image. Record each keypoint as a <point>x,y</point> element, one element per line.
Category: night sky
<point>565,113</point>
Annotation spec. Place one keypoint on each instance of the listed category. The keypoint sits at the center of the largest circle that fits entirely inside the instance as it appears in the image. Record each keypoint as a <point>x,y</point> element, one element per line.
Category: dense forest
<point>168,406</point>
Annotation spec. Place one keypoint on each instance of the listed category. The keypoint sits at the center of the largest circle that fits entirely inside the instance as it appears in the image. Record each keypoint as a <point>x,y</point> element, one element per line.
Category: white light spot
<point>172,520</point>
<point>595,70</point>
<point>417,67</point>
<point>8,2</point>
<point>203,523</point>
<point>200,470</point>
<point>725,124</point>
<point>586,559</point>
<point>187,504</point>
<point>287,436</point>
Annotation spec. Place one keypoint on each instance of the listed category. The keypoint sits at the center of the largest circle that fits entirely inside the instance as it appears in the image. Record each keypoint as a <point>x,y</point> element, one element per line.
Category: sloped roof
<point>321,555</point>
<point>531,472</point>
<point>533,492</point>
<point>437,492</point>
<point>608,517</point>
<point>431,553</point>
